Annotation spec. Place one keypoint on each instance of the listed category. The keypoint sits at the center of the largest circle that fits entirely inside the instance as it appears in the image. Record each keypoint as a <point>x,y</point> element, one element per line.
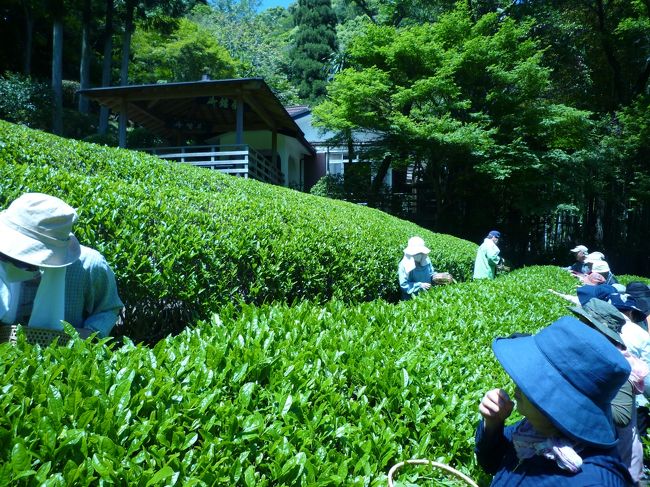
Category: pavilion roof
<point>201,109</point>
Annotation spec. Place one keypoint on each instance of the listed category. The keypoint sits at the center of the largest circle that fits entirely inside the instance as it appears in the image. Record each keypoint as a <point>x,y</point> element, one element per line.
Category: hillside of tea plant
<point>184,241</point>
<point>311,394</point>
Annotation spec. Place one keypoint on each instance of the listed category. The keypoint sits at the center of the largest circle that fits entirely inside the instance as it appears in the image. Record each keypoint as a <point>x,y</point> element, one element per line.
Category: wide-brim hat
<point>594,257</point>
<point>571,373</point>
<point>37,229</point>
<point>604,317</point>
<point>416,246</point>
<point>626,302</point>
<point>600,266</point>
<point>580,248</point>
<point>641,294</point>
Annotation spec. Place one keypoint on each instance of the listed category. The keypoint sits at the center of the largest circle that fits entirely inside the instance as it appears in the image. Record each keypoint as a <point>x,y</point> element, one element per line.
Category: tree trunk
<point>378,180</point>
<point>57,75</point>
<point>107,63</point>
<point>126,43</point>
<point>29,37</point>
<point>608,49</point>
<point>86,54</point>
<point>124,69</point>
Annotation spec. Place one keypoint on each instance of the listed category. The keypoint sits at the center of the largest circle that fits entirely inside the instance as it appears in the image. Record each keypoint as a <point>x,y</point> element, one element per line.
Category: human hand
<point>425,285</point>
<point>495,408</point>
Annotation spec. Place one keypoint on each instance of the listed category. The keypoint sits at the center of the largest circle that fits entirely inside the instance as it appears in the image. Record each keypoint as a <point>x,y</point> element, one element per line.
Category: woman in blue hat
<point>565,379</point>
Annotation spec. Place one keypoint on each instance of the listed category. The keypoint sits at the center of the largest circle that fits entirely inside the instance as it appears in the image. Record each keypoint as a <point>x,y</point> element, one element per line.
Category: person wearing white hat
<point>597,263</point>
<point>415,271</point>
<point>580,253</point>
<point>46,276</point>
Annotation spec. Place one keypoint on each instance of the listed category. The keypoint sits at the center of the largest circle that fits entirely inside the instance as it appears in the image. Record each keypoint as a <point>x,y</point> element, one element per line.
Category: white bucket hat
<point>600,266</point>
<point>37,229</point>
<point>594,257</point>
<point>416,246</point>
<point>580,248</point>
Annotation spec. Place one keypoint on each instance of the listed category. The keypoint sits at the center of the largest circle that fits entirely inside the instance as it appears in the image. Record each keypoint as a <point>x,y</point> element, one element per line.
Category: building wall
<point>290,152</point>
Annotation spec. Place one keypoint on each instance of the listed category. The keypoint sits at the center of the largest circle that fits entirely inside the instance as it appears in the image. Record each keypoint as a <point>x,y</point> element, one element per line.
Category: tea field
<point>309,394</point>
<point>291,361</point>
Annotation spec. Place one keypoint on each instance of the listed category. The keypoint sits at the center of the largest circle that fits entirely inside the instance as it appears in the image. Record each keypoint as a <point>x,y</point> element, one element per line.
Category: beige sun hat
<point>416,246</point>
<point>37,229</point>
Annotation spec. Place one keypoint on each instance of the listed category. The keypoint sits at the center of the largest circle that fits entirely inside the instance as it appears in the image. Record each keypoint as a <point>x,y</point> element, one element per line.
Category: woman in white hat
<point>46,276</point>
<point>415,271</point>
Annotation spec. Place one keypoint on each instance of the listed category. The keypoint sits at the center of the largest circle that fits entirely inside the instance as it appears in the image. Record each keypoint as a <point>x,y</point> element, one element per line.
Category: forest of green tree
<point>528,116</point>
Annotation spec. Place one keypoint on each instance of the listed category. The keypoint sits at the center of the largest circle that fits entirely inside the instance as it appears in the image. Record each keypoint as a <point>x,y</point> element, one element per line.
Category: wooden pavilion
<point>237,126</point>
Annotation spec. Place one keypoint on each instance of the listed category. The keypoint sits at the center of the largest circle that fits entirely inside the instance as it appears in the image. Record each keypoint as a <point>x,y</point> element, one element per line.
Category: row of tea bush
<point>311,394</point>
<point>184,241</point>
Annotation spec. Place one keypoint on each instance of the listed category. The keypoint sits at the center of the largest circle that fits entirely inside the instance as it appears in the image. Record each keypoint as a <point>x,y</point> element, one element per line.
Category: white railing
<point>237,160</point>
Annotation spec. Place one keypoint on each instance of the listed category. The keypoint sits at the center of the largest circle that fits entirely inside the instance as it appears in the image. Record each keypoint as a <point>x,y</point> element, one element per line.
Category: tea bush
<point>314,394</point>
<point>184,241</point>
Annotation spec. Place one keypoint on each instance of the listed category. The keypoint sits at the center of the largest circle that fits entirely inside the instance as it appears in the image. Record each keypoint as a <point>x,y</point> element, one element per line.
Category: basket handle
<point>423,461</point>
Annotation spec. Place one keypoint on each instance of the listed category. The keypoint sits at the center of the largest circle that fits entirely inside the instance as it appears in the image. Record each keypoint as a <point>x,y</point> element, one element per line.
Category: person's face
<point>420,258</point>
<point>17,263</point>
<point>580,256</point>
<point>15,270</point>
<point>534,415</point>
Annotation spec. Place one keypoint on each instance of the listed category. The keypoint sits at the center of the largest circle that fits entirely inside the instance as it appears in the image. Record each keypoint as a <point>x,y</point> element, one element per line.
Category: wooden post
<point>239,137</point>
<point>274,148</point>
<point>123,120</point>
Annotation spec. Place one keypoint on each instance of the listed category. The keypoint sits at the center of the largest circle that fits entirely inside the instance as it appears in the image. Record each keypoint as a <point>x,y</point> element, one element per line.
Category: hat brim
<point>552,394</point>
<point>416,250</point>
<point>31,251</point>
<point>601,327</point>
<point>642,304</point>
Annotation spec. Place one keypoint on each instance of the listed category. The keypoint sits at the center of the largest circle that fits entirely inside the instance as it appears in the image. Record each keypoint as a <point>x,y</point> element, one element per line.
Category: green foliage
<point>25,101</point>
<point>314,42</point>
<point>259,42</point>
<point>185,54</point>
<point>184,241</point>
<point>306,395</point>
<point>329,186</point>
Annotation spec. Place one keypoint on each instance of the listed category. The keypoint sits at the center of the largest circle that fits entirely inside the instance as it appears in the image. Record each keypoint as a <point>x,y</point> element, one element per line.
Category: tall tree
<point>313,44</point>
<point>86,53</point>
<point>57,11</point>
<point>257,41</point>
<point>184,53</point>
<point>107,61</point>
<point>470,104</point>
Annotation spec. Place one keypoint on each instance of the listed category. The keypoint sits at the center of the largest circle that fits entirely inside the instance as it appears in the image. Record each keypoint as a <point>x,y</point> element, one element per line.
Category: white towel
<point>408,262</point>
<point>8,301</point>
<point>49,303</point>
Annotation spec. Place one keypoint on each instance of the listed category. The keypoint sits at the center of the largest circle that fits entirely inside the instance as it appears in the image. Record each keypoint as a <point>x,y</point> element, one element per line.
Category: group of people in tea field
<point>579,384</point>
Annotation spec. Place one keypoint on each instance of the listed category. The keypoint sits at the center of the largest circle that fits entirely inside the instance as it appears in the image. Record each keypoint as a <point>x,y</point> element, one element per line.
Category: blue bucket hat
<point>494,233</point>
<point>571,373</point>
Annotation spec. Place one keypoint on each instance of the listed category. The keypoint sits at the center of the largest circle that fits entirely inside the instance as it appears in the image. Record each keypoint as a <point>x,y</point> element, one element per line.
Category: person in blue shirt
<point>47,276</point>
<point>415,271</point>
<point>565,378</point>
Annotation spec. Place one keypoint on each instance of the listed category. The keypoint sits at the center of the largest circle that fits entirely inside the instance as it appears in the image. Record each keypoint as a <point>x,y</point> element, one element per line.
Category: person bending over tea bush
<point>487,257</point>
<point>46,276</point>
<point>565,379</point>
<point>415,271</point>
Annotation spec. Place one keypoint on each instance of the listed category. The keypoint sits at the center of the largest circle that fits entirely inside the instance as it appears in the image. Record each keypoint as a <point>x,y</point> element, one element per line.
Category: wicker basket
<point>446,468</point>
<point>40,336</point>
